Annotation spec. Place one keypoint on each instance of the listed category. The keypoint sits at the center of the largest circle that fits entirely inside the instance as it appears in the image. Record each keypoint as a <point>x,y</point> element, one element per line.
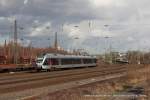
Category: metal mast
<point>5,48</point>
<point>56,43</point>
<point>15,53</point>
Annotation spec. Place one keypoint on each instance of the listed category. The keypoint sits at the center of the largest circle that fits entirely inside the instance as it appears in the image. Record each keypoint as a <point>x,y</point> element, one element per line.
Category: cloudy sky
<point>80,24</point>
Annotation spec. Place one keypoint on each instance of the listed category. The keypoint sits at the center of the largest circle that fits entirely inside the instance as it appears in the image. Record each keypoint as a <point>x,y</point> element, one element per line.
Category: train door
<point>47,63</point>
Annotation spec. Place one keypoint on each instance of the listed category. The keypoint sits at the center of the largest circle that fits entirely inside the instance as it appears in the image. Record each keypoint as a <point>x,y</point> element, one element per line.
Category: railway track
<point>20,82</point>
<point>30,72</point>
<point>15,68</point>
<point>16,75</point>
<point>27,78</point>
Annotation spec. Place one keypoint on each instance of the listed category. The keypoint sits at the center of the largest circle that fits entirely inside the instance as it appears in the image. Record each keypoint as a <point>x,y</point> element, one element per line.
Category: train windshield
<point>39,60</point>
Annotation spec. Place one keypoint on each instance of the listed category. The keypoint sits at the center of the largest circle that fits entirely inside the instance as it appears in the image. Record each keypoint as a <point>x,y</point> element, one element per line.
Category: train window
<point>66,61</point>
<point>70,61</point>
<point>76,61</point>
<point>51,61</point>
<point>54,61</point>
<point>87,61</point>
<point>39,60</point>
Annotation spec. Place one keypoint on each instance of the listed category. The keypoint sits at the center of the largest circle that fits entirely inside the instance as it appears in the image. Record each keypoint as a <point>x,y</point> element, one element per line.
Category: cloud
<point>127,21</point>
<point>25,2</point>
<point>42,30</point>
<point>101,2</point>
<point>130,39</point>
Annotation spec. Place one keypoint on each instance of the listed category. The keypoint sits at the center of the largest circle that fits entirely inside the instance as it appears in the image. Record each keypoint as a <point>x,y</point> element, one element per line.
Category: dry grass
<point>136,76</point>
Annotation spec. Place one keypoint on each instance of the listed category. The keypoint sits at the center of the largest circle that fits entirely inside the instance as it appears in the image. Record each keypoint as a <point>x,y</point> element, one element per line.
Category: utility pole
<point>15,52</point>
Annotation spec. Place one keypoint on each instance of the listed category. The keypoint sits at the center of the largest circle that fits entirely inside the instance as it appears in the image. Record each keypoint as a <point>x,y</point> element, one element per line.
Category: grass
<point>136,76</point>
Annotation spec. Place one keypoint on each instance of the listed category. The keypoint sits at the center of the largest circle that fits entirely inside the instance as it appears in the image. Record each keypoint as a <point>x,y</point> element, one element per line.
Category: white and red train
<point>58,61</point>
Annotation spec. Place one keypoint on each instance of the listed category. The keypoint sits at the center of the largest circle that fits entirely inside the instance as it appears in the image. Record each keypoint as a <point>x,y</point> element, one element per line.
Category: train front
<point>39,62</point>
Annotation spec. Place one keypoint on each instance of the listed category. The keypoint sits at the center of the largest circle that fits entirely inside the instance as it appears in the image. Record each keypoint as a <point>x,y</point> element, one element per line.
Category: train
<point>60,61</point>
